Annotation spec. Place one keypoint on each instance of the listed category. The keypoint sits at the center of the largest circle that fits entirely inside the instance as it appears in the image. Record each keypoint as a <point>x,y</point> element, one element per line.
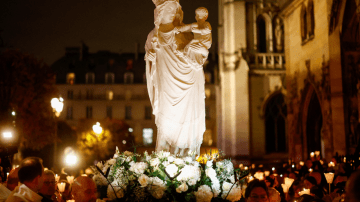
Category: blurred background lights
<point>71,159</point>
<point>13,113</point>
<point>131,130</point>
<point>97,128</point>
<point>7,134</point>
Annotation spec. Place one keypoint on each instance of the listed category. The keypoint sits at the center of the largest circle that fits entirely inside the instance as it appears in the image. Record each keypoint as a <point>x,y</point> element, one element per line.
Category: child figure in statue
<point>197,49</point>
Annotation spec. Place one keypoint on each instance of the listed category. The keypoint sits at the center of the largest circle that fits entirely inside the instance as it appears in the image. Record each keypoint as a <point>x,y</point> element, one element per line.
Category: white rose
<point>179,161</point>
<point>209,164</point>
<point>171,159</point>
<point>154,162</point>
<point>139,167</point>
<point>226,186</point>
<point>148,158</point>
<point>204,194</point>
<point>165,163</point>
<point>188,159</point>
<point>215,187</point>
<point>232,178</point>
<point>171,169</point>
<point>144,180</point>
<point>128,159</point>
<point>211,173</point>
<point>192,182</point>
<point>182,188</point>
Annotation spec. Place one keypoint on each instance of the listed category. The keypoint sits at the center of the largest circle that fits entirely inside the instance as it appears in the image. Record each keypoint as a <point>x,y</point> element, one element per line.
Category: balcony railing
<point>266,61</point>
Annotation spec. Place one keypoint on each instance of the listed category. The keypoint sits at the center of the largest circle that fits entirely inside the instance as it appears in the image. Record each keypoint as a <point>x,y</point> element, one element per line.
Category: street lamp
<point>97,128</point>
<point>57,104</point>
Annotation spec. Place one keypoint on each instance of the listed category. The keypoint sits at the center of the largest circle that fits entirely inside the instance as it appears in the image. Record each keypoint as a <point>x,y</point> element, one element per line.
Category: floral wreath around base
<point>161,176</point>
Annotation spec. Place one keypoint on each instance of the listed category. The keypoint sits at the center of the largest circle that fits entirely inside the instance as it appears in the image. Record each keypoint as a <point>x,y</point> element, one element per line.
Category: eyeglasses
<point>257,197</point>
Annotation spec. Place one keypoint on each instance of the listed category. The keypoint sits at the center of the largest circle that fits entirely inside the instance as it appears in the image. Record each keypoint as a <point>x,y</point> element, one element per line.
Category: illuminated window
<point>90,78</point>
<point>148,112</point>
<point>109,95</point>
<point>147,136</point>
<point>109,78</point>
<point>128,112</point>
<point>70,78</point>
<point>128,78</point>
<point>89,111</point>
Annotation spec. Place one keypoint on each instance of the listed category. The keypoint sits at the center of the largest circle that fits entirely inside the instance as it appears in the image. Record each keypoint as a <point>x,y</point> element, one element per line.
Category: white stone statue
<point>175,78</point>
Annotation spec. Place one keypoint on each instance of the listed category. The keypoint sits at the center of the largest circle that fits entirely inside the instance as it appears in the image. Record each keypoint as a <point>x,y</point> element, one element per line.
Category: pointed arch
<point>310,18</point>
<point>275,112</point>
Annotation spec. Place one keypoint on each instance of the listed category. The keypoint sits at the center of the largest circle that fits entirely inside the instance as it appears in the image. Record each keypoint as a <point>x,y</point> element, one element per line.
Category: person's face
<point>49,185</point>
<point>87,193</point>
<point>258,194</point>
<point>169,13</point>
<point>41,180</point>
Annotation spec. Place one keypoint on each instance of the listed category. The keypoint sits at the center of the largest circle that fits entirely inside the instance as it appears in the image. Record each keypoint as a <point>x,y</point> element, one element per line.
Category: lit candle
<point>253,166</point>
<point>344,159</point>
<point>312,154</point>
<point>317,153</point>
<point>310,170</point>
<point>61,186</point>
<point>301,163</point>
<point>288,181</point>
<point>273,168</point>
<point>281,175</point>
<point>7,174</point>
<point>293,166</point>
<point>267,173</point>
<point>246,168</point>
<point>70,179</point>
<point>241,165</point>
<point>285,188</point>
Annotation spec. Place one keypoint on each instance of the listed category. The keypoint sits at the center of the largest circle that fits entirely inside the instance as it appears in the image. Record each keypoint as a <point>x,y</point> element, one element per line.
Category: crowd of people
<point>30,182</point>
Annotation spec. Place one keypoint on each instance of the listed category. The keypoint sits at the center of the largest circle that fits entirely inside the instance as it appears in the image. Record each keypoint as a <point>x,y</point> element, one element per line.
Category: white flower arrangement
<point>162,176</point>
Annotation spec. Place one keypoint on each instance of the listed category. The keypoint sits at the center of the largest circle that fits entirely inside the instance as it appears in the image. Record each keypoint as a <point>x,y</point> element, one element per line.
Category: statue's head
<point>167,11</point>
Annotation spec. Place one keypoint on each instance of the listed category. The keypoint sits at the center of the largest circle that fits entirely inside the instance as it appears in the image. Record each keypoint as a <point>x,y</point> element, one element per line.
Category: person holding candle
<point>30,174</point>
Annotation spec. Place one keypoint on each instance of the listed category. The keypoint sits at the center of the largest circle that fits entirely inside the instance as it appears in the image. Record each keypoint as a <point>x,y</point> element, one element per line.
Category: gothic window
<point>109,78</point>
<point>70,78</point>
<point>90,78</point>
<point>261,34</point>
<point>275,123</point>
<point>128,78</point>
<point>303,25</point>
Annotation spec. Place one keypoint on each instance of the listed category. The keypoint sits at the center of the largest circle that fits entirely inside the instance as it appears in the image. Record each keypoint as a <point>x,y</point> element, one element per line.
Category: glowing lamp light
<point>246,168</point>
<point>285,188</point>
<point>7,134</point>
<point>61,186</point>
<point>131,130</point>
<point>310,170</point>
<point>57,104</point>
<point>301,163</point>
<point>13,113</point>
<point>71,159</point>
<point>293,166</point>
<point>281,175</point>
<point>241,165</point>
<point>273,168</point>
<point>97,128</point>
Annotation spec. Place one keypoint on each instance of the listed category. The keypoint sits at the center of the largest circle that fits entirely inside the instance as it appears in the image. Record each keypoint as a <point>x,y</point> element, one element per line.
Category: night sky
<point>45,27</point>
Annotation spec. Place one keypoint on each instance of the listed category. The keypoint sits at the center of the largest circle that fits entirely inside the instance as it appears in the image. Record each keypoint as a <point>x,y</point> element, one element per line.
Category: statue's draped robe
<point>177,95</point>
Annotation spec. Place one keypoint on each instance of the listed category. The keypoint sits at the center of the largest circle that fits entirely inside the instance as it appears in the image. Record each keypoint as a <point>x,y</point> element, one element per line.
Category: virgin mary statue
<point>175,85</point>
